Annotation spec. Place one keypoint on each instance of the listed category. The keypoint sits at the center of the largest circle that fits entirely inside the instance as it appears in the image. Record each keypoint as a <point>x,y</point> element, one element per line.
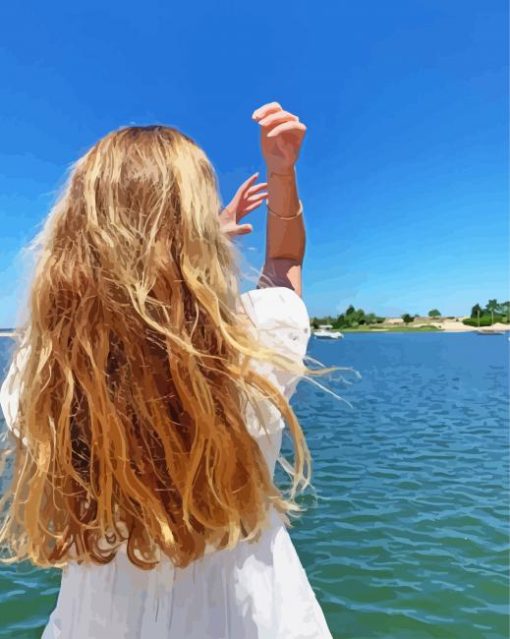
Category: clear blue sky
<point>403,172</point>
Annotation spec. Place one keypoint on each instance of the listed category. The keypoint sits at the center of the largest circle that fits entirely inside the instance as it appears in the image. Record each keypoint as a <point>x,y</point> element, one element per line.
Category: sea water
<point>406,529</point>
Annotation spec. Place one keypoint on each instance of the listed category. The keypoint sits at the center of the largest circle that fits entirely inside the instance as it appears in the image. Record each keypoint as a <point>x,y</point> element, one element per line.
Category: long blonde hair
<point>134,392</point>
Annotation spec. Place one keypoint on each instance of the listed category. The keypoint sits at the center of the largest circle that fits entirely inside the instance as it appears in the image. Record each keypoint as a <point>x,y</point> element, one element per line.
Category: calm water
<point>407,535</point>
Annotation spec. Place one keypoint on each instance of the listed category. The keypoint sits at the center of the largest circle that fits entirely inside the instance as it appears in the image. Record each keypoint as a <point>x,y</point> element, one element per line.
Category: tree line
<point>492,312</point>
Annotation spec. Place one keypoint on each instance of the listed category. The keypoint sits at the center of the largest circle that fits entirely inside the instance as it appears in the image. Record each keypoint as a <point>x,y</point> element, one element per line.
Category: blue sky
<point>403,173</point>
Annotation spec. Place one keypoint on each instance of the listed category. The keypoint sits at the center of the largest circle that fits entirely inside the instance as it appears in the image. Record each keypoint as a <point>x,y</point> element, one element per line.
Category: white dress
<point>254,591</point>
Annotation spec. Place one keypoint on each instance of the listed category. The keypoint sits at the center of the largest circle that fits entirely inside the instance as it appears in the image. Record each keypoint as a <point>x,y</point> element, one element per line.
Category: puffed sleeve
<point>281,321</point>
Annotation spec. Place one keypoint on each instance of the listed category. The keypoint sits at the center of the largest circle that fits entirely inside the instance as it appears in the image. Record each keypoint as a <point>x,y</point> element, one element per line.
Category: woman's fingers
<point>254,206</point>
<point>243,229</point>
<point>265,109</point>
<point>257,197</point>
<point>252,203</point>
<point>278,117</point>
<point>279,151</point>
<point>247,187</point>
<point>257,187</point>
<point>247,183</point>
<point>251,206</point>
<point>293,126</point>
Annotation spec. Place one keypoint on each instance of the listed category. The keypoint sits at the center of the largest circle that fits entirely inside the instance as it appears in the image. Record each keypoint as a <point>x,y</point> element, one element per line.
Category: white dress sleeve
<point>10,390</point>
<point>281,321</point>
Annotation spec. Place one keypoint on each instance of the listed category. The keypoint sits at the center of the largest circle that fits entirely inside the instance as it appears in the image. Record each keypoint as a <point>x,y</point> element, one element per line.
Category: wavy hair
<point>133,396</point>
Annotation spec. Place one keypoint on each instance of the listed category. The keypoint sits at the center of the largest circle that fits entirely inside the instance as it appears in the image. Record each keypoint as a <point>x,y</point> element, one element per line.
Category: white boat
<point>489,331</point>
<point>323,333</point>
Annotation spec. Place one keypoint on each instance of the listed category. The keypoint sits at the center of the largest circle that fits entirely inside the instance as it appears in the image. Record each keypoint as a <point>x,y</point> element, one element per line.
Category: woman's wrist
<point>287,217</point>
<point>283,198</point>
<point>284,172</point>
<point>285,228</point>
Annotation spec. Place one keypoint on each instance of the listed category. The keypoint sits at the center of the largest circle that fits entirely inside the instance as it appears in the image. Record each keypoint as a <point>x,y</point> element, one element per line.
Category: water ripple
<point>406,530</point>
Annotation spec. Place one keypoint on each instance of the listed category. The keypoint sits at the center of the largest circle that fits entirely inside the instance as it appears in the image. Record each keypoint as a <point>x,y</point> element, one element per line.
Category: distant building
<point>326,326</point>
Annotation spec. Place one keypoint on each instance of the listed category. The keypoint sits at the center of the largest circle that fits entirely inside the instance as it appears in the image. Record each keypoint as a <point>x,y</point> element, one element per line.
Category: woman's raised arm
<point>281,136</point>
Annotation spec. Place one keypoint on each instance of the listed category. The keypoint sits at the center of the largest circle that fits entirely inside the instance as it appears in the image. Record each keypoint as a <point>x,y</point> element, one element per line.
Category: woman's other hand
<point>281,136</point>
<point>248,197</point>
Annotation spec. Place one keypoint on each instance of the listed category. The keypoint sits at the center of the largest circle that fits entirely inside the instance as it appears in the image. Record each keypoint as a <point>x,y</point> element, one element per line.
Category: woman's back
<point>152,397</point>
<point>256,589</point>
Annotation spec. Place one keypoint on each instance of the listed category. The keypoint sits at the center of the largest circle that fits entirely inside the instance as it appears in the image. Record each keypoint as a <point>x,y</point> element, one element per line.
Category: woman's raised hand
<point>281,135</point>
<point>248,197</point>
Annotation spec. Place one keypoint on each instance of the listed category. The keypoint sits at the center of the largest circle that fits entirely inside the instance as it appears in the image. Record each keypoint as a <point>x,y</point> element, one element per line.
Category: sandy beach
<point>446,325</point>
<point>453,326</point>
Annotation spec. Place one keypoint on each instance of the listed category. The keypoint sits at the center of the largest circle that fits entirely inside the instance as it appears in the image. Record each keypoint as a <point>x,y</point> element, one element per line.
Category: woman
<point>149,398</point>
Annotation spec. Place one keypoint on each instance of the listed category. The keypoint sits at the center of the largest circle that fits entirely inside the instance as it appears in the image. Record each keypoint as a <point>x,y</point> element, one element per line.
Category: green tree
<point>339,322</point>
<point>351,318</point>
<point>434,313</point>
<point>407,318</point>
<point>505,310</point>
<point>492,307</point>
<point>476,311</point>
<point>360,316</point>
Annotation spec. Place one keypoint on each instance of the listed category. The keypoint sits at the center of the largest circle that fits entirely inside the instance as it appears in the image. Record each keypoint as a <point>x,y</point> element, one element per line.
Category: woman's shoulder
<point>275,305</point>
<point>280,317</point>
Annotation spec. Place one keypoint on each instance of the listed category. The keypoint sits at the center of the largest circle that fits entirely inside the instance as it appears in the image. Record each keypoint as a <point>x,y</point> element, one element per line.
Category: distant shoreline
<point>445,326</point>
<point>417,330</point>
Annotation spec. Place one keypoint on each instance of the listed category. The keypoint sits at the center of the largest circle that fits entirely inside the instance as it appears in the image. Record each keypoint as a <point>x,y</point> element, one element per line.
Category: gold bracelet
<point>293,174</point>
<point>287,217</point>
